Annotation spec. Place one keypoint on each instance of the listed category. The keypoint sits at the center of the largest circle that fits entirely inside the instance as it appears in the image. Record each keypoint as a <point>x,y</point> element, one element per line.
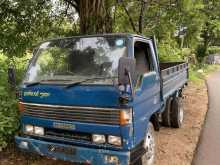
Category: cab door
<point>147,87</point>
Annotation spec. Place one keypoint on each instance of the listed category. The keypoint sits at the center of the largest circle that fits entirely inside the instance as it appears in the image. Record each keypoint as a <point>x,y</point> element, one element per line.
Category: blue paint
<point>93,95</point>
<point>149,98</point>
<point>82,154</point>
<point>146,102</point>
<point>86,128</point>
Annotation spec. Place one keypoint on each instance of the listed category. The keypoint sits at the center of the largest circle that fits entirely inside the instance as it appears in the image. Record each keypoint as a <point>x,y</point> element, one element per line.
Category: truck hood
<point>82,95</point>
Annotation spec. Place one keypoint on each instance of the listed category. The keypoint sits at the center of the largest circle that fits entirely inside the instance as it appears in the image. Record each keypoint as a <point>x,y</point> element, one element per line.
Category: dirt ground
<point>175,146</point>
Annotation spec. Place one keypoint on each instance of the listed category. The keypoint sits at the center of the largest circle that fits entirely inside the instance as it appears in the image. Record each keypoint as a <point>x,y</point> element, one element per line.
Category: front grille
<point>73,113</point>
<point>68,135</point>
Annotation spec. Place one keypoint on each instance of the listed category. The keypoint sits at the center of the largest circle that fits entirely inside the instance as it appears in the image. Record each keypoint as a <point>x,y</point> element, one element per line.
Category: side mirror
<point>126,70</point>
<point>11,77</point>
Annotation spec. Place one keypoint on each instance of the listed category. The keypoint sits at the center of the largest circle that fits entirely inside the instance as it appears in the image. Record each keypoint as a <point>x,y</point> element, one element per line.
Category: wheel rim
<point>150,147</point>
<point>181,115</point>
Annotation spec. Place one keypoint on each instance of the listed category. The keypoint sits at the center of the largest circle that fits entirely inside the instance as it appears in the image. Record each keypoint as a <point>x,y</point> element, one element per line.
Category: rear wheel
<point>177,113</point>
<point>150,146</point>
<point>166,113</point>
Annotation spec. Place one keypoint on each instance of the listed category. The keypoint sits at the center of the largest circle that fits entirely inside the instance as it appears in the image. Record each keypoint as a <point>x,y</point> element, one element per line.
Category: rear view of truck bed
<point>174,76</point>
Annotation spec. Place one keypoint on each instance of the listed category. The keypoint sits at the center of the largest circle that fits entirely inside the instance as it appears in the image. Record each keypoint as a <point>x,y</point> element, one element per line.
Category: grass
<point>197,74</point>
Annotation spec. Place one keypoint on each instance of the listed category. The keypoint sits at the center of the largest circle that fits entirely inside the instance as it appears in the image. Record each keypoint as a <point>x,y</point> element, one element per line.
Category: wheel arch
<point>154,119</point>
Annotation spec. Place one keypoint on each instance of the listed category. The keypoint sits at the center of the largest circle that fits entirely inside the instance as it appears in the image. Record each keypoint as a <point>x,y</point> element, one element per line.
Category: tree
<point>23,23</point>
<point>211,29</point>
<point>95,16</point>
<point>136,21</point>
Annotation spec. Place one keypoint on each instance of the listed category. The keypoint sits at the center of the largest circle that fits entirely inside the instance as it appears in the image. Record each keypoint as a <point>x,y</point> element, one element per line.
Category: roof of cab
<point>103,34</point>
<point>96,35</point>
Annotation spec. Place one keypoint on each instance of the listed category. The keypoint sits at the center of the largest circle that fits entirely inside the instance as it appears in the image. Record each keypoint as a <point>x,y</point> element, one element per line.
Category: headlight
<point>115,140</point>
<point>126,116</point>
<point>38,130</point>
<point>98,138</point>
<point>29,129</point>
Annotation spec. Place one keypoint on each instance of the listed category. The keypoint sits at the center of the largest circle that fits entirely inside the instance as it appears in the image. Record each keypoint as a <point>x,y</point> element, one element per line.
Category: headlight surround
<point>115,140</point>
<point>29,129</point>
<point>39,130</point>
<point>36,130</point>
<point>99,139</point>
<point>126,116</point>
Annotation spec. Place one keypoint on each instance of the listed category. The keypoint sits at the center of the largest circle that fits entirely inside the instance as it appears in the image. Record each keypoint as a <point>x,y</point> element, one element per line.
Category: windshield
<point>77,59</point>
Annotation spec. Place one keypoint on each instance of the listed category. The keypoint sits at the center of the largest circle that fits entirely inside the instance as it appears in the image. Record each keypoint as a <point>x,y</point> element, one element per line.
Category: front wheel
<point>150,147</point>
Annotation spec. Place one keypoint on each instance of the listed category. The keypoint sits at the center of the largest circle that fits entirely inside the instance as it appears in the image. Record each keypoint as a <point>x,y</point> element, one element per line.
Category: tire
<point>150,146</point>
<point>166,121</point>
<point>177,114</point>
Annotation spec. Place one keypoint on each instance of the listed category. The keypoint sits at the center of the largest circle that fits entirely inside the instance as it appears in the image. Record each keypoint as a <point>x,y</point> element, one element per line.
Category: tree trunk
<point>141,16</point>
<point>95,16</point>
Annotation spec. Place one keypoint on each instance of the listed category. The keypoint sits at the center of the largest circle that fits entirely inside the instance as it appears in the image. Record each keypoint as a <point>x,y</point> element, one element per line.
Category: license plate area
<point>61,149</point>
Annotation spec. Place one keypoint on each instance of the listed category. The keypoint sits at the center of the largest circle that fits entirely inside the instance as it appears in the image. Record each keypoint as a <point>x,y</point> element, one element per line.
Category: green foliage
<point>214,50</point>
<point>195,76</point>
<point>201,52</point>
<point>9,117</point>
<point>25,22</point>
<point>165,19</point>
<point>211,29</point>
<point>22,22</point>
<point>8,106</point>
<point>168,52</point>
<point>198,73</point>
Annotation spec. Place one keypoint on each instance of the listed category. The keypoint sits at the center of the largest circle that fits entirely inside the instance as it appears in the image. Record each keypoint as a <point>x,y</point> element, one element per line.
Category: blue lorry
<point>98,99</point>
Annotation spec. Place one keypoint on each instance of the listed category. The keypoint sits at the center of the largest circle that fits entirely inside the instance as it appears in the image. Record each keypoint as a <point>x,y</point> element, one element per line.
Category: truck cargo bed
<point>174,76</point>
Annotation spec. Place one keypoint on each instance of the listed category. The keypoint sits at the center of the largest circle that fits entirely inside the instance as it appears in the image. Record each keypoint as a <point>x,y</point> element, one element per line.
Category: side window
<point>143,56</point>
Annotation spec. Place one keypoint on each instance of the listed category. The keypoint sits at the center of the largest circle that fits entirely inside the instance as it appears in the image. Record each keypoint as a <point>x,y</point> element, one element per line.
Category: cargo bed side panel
<point>174,76</point>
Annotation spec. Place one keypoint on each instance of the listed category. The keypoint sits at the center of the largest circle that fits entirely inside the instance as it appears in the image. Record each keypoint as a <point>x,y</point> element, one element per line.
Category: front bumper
<point>72,153</point>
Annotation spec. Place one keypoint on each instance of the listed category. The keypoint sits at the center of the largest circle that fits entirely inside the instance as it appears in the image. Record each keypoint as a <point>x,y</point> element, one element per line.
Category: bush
<point>198,77</point>
<point>214,50</point>
<point>169,53</point>
<point>201,53</point>
<point>9,122</point>
<point>9,118</point>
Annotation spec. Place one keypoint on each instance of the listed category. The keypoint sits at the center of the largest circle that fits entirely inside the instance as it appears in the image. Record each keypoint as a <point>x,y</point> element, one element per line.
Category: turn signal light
<point>126,117</point>
<point>20,107</point>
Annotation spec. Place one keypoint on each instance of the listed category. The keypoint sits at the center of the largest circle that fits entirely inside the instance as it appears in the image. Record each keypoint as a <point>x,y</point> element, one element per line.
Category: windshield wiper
<point>33,83</point>
<point>89,79</point>
<point>40,82</point>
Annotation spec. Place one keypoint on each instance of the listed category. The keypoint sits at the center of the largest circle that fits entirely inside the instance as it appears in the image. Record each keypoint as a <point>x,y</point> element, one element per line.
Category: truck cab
<point>96,99</point>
